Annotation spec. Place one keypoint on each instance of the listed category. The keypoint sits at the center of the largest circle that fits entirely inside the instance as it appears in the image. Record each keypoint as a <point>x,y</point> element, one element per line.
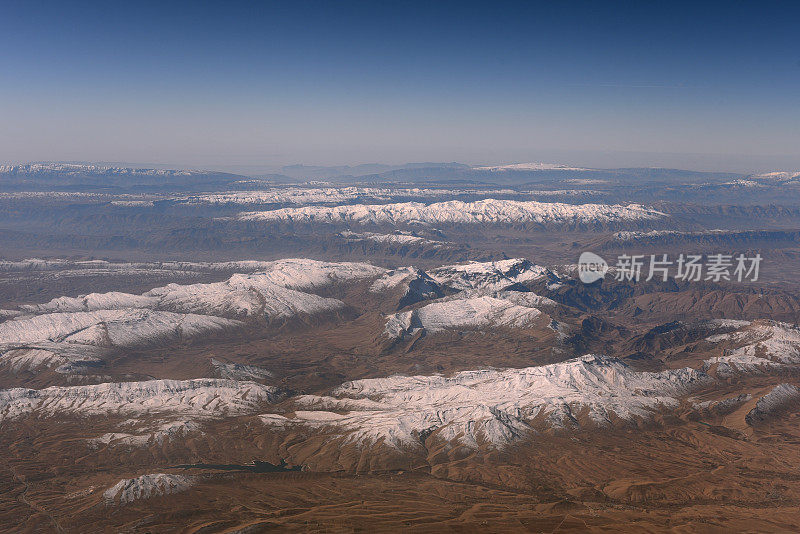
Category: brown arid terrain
<point>182,367</point>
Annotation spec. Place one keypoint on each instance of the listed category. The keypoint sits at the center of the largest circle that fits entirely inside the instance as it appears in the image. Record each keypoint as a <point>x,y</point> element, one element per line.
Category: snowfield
<point>490,211</point>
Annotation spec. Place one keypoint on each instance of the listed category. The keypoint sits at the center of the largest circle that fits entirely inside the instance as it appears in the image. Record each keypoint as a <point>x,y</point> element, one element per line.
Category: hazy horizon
<point>744,164</point>
<point>240,85</point>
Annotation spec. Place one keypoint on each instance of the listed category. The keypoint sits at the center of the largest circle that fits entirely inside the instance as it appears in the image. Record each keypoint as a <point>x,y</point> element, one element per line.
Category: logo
<point>591,267</point>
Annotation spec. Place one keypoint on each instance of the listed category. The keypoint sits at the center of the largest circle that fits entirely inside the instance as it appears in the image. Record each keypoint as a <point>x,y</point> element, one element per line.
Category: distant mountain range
<point>117,178</point>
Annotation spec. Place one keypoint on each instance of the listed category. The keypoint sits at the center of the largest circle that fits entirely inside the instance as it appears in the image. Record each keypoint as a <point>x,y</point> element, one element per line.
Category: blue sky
<point>223,84</point>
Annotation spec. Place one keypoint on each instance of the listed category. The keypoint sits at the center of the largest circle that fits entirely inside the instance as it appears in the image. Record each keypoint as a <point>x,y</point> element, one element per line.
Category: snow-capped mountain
<point>759,346</point>
<point>490,275</point>
<point>249,295</point>
<point>490,211</point>
<point>305,274</point>
<point>779,398</point>
<point>145,486</point>
<point>467,313</point>
<point>491,407</point>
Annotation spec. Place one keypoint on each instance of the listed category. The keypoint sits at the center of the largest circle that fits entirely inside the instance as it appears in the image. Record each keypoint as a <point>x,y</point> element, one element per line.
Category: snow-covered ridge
<point>490,211</point>
<point>635,236</point>
<point>200,397</point>
<point>759,346</point>
<point>326,195</point>
<point>65,332</point>
<point>564,192</point>
<point>779,398</point>
<point>479,288</point>
<point>113,300</point>
<point>274,195</point>
<point>243,296</point>
<point>109,328</point>
<point>391,239</point>
<point>536,166</point>
<point>744,183</point>
<point>143,487</point>
<point>138,435</point>
<point>239,371</point>
<point>778,176</point>
<point>305,274</point>
<point>65,358</point>
<point>491,407</point>
<point>273,292</point>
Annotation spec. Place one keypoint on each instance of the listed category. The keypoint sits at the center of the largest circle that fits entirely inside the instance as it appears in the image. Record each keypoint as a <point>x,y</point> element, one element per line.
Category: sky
<point>704,85</point>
